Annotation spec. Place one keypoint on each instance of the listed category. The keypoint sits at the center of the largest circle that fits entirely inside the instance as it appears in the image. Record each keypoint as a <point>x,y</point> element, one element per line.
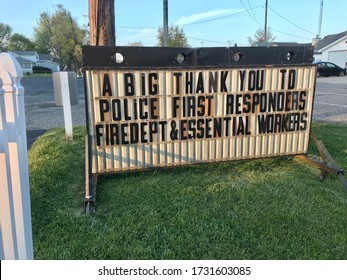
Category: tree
<point>19,42</point>
<point>259,36</point>
<point>177,37</point>
<point>5,35</point>
<point>43,34</point>
<point>60,35</point>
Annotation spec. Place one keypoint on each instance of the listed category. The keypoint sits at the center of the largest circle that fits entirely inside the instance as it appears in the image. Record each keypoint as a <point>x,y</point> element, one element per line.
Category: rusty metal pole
<point>102,23</point>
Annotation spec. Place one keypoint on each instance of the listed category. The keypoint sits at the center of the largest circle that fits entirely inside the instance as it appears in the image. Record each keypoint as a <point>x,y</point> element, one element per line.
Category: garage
<point>332,48</point>
<point>338,57</point>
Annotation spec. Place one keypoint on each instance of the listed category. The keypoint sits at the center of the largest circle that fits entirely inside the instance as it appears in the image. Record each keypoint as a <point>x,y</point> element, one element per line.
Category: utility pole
<point>320,19</point>
<point>102,23</point>
<point>166,25</point>
<point>265,26</point>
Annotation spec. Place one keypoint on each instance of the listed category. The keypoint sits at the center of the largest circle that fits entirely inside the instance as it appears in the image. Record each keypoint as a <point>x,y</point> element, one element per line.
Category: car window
<point>321,65</point>
<point>330,65</point>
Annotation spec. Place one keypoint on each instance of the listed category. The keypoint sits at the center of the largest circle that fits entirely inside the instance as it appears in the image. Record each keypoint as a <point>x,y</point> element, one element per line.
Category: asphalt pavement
<point>330,102</point>
<point>41,111</point>
<point>42,114</point>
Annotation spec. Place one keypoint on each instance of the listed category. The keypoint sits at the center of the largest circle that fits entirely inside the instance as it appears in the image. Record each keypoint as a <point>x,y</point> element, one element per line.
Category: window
<point>330,65</point>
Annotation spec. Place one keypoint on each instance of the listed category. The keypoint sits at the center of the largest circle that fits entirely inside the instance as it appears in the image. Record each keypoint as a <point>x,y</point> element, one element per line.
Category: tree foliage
<point>5,35</point>
<point>60,35</point>
<point>259,36</point>
<point>177,37</point>
<point>19,42</point>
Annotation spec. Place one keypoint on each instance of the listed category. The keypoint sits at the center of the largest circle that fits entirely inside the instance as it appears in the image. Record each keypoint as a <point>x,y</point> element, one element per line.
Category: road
<point>330,104</point>
<point>40,109</point>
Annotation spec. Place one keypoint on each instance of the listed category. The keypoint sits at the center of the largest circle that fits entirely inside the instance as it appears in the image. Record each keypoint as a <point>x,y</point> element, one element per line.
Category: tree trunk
<point>102,23</point>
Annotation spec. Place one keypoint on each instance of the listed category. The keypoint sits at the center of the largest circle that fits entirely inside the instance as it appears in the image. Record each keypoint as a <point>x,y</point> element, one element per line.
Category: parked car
<point>329,69</point>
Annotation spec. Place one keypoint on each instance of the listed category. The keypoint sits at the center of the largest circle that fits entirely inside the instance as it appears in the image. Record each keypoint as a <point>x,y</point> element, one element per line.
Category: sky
<point>206,23</point>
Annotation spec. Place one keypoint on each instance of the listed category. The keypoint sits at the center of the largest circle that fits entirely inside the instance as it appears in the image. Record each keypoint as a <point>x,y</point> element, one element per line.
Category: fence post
<point>8,243</point>
<point>65,92</point>
<point>16,231</point>
<point>66,105</point>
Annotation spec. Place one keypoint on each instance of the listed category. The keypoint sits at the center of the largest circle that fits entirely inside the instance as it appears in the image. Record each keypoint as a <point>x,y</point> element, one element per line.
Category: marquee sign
<point>160,107</point>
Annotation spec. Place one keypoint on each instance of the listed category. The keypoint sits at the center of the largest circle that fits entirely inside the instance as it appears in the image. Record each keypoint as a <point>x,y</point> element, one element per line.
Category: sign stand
<point>91,180</point>
<point>328,165</point>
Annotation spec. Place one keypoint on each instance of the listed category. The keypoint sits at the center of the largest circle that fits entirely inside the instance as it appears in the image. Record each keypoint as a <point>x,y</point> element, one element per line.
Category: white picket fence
<point>15,213</point>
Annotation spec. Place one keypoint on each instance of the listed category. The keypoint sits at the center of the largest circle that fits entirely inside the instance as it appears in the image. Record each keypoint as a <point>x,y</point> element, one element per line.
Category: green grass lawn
<point>260,209</point>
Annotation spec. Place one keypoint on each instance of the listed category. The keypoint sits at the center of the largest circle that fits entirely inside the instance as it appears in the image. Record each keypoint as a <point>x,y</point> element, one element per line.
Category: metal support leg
<point>329,165</point>
<point>91,180</point>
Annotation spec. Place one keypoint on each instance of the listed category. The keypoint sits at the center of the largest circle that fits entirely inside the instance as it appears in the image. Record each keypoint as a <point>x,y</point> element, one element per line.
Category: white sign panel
<point>165,117</point>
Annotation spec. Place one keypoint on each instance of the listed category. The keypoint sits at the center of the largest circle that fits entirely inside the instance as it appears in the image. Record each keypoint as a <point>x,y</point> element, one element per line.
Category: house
<point>28,59</point>
<point>332,48</point>
<point>29,55</point>
<point>46,60</point>
<point>49,64</point>
<point>25,64</point>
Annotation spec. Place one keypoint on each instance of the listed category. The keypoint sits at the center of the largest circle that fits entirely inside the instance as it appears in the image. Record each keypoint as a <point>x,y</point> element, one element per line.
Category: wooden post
<point>102,23</point>
<point>102,33</point>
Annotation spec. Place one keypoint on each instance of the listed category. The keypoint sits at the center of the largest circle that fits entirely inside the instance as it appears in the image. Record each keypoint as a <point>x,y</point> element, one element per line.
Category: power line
<point>290,34</point>
<point>209,41</point>
<point>249,4</point>
<point>137,27</point>
<point>136,35</point>
<point>201,39</point>
<point>248,12</point>
<point>291,21</point>
<point>218,18</point>
<point>194,38</point>
<point>193,23</point>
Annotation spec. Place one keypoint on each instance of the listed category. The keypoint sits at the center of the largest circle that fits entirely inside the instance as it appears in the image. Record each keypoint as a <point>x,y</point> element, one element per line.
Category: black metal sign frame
<point>96,57</point>
<point>179,59</point>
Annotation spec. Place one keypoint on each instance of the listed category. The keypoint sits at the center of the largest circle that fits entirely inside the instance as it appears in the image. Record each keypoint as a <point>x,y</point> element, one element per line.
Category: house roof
<point>25,52</point>
<point>276,44</point>
<point>286,44</point>
<point>23,60</point>
<point>328,40</point>
<point>48,61</point>
<point>45,57</point>
<point>262,44</point>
